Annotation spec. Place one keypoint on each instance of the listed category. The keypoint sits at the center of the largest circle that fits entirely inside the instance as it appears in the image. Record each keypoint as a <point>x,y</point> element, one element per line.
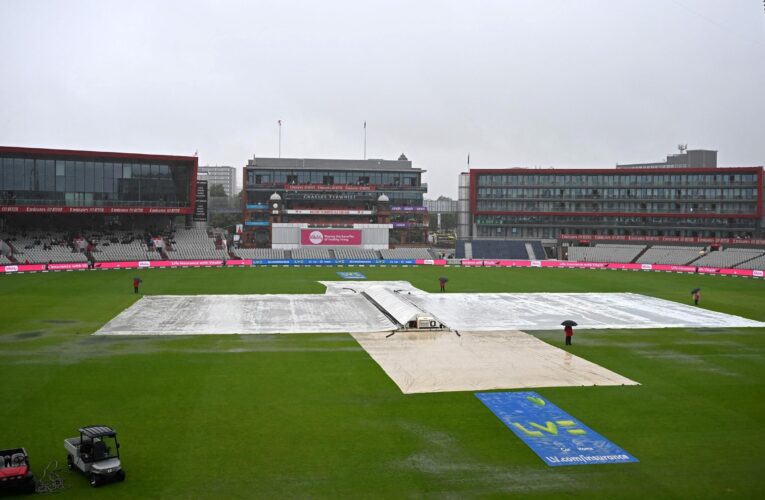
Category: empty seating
<point>500,249</point>
<point>539,250</point>
<point>605,253</point>
<point>36,249</point>
<point>406,253</point>
<point>135,250</point>
<point>727,258</point>
<point>119,246</point>
<point>259,253</point>
<point>191,244</point>
<point>356,253</point>
<point>661,254</point>
<point>311,253</point>
<point>459,250</point>
<point>757,263</point>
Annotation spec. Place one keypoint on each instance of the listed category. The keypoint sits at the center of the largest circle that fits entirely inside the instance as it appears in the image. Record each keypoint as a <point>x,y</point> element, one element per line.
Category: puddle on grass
<point>74,348</point>
<point>29,335</point>
<point>691,361</point>
<point>58,321</point>
<point>441,456</point>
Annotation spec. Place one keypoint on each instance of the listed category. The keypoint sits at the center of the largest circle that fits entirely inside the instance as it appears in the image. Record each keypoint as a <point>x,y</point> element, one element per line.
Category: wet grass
<point>313,416</point>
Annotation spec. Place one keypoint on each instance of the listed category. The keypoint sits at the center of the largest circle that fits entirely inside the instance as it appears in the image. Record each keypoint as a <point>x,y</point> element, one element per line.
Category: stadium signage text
<point>408,209</point>
<point>28,209</point>
<point>315,211</point>
<point>330,237</point>
<point>292,195</point>
<point>331,187</point>
<point>554,435</point>
<point>669,239</point>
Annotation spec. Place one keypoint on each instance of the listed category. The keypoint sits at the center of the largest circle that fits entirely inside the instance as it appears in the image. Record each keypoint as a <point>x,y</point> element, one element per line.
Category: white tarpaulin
<point>344,309</point>
<point>546,311</point>
<point>439,361</point>
<point>219,314</point>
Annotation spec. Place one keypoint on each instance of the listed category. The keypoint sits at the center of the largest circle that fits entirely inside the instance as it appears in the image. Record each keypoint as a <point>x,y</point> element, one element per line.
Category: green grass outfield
<point>314,416</point>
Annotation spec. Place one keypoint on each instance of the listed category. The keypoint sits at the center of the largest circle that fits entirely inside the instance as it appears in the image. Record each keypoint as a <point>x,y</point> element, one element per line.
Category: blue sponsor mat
<point>554,435</point>
<point>352,276</point>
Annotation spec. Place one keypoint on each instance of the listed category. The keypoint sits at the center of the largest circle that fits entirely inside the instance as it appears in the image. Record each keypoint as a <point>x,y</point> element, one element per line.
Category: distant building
<point>225,176</point>
<point>445,213</point>
<point>687,158</point>
<point>332,193</point>
<point>62,188</point>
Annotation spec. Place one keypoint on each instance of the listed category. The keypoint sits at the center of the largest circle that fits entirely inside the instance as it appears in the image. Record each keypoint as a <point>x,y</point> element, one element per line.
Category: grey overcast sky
<point>563,83</point>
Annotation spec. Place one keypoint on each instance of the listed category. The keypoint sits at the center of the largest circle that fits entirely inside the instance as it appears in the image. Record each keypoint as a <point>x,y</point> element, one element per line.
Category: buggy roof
<point>94,431</point>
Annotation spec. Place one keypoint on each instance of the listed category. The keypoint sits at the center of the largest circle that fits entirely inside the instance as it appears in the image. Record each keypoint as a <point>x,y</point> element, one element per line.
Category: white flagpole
<point>280,138</point>
<point>365,139</point>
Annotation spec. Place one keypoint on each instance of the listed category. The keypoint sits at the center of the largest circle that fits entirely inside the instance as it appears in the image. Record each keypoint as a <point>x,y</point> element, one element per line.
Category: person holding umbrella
<point>568,330</point>
<point>442,281</point>
<point>136,283</point>
<point>696,294</point>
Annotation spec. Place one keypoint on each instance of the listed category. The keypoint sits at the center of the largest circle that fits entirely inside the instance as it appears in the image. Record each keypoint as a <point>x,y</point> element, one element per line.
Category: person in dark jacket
<point>569,331</point>
<point>136,284</point>
<point>442,282</point>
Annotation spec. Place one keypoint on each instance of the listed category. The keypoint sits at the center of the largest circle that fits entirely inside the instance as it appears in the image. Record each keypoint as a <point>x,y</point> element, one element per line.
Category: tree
<point>217,191</point>
<point>225,221</point>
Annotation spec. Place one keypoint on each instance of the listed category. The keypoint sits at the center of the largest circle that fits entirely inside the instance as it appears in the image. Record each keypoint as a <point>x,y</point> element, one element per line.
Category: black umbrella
<point>695,290</point>
<point>444,279</point>
<point>569,322</point>
<point>137,278</point>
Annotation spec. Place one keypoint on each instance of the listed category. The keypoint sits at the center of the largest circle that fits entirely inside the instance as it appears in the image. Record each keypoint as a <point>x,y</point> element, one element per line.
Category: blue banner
<point>331,262</point>
<point>554,435</point>
<point>352,276</point>
<point>271,262</point>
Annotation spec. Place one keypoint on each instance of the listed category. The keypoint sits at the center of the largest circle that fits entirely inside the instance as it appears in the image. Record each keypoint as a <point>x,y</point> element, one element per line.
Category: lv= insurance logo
<point>550,427</point>
<point>555,436</point>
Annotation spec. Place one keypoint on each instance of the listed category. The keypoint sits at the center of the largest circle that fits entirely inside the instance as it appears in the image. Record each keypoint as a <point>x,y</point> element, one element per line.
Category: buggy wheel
<point>95,480</point>
<point>31,485</point>
<point>121,475</point>
<point>69,462</point>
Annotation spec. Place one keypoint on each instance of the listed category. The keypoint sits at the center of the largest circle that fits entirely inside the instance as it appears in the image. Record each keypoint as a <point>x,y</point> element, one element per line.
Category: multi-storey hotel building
<point>658,202</point>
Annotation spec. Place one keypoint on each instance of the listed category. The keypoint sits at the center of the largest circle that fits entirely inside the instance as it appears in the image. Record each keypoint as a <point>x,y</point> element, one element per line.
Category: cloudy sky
<point>515,83</point>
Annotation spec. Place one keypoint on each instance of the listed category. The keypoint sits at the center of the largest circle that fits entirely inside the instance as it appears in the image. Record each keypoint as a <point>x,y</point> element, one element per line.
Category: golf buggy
<point>96,453</point>
<point>15,474</point>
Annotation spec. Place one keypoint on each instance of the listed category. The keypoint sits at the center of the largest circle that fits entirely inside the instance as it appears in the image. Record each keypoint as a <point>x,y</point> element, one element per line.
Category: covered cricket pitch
<point>345,308</point>
<point>490,353</point>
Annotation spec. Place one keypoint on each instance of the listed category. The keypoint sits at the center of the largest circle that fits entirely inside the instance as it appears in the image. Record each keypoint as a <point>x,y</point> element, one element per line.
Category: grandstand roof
<point>91,154</point>
<point>331,164</point>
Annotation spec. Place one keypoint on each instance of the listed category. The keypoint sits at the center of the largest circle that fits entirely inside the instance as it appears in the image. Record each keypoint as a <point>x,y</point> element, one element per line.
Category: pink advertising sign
<point>330,237</point>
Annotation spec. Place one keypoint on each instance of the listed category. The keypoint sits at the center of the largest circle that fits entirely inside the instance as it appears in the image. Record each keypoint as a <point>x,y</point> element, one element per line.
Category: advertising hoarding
<point>330,237</point>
